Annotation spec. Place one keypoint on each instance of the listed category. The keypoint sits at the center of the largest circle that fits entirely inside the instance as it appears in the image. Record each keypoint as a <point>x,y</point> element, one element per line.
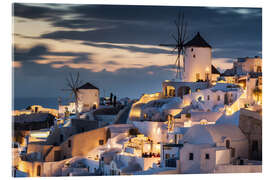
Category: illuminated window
<point>197,76</point>
<point>145,116</point>
<point>38,170</point>
<point>204,122</point>
<point>101,142</point>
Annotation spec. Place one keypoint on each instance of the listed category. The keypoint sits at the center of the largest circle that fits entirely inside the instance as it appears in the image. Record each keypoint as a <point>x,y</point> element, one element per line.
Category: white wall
<point>89,97</point>
<point>153,130</point>
<point>191,166</point>
<point>216,157</point>
<point>145,163</point>
<point>199,64</point>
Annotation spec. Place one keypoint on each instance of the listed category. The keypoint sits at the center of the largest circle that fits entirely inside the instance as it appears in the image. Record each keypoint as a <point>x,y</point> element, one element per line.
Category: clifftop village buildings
<point>209,122</point>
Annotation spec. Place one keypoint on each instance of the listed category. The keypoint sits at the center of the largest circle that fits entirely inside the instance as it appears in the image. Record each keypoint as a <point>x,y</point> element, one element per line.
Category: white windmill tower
<point>198,60</point>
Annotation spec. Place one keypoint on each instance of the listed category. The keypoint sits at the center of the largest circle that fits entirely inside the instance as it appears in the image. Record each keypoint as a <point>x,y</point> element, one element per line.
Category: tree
<point>73,83</point>
<point>111,98</point>
<point>114,101</point>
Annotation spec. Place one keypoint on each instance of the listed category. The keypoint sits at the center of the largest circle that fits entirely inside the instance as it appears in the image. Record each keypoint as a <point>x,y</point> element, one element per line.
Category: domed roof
<point>197,41</point>
<point>212,134</point>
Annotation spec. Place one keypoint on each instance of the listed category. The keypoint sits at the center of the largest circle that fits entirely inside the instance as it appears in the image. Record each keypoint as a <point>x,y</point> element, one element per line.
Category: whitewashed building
<point>205,147</point>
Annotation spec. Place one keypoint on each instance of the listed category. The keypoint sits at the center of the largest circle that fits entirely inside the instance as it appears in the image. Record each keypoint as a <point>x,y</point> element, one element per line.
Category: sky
<point>116,48</point>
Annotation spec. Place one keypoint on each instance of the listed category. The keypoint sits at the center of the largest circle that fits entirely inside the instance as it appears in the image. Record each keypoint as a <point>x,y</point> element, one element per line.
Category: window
<point>194,56</point>
<point>218,98</point>
<point>227,144</point>
<point>61,138</point>
<point>167,156</point>
<point>207,76</point>
<point>197,76</point>
<point>191,156</point>
<point>232,152</point>
<point>207,156</point>
<point>208,97</point>
<point>69,143</point>
<point>101,142</point>
<point>191,49</point>
<point>259,69</point>
<point>145,116</point>
<point>255,146</point>
<point>38,170</point>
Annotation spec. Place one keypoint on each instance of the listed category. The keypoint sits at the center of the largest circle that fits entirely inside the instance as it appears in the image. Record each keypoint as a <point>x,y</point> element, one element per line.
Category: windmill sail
<point>180,39</point>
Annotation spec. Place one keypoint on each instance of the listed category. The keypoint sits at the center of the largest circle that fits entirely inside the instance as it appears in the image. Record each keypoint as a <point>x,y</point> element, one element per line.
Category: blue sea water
<point>22,103</point>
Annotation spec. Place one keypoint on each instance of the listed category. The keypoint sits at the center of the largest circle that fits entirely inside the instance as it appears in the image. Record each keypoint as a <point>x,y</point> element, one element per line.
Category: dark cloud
<point>130,48</point>
<point>34,53</point>
<point>36,12</point>
<point>38,52</point>
<point>111,63</point>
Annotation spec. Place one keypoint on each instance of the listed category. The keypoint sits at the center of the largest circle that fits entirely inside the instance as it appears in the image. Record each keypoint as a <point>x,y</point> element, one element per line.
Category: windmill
<point>180,39</point>
<point>73,84</point>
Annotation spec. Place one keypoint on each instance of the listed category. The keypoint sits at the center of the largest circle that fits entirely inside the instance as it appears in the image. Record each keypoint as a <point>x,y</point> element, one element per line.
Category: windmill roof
<point>88,86</point>
<point>214,70</point>
<point>197,41</point>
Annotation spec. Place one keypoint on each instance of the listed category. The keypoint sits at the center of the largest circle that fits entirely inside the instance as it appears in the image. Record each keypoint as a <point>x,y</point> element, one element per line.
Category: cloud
<point>44,53</point>
<point>36,12</point>
<point>34,53</point>
<point>240,11</point>
<point>111,63</point>
<point>131,48</point>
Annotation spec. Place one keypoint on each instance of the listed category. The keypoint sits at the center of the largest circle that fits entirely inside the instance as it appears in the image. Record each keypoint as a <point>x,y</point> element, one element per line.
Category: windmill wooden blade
<point>180,38</point>
<point>168,45</point>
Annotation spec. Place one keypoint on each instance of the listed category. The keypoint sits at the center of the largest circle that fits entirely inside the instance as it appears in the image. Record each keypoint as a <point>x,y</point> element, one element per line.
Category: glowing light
<point>40,134</point>
<point>158,131</point>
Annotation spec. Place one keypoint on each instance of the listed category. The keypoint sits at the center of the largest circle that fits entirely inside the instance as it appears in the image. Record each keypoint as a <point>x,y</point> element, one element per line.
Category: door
<point>57,155</point>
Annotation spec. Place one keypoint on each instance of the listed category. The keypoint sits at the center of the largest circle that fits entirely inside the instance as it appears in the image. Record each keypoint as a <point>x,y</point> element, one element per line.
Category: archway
<point>183,91</point>
<point>38,170</point>
<point>170,91</point>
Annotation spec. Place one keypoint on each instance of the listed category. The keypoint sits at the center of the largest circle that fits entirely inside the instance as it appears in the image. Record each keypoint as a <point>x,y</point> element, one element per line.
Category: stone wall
<point>251,125</point>
<point>238,169</point>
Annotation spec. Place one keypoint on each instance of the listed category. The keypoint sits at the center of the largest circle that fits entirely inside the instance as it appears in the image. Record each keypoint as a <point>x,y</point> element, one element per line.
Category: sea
<point>23,103</point>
